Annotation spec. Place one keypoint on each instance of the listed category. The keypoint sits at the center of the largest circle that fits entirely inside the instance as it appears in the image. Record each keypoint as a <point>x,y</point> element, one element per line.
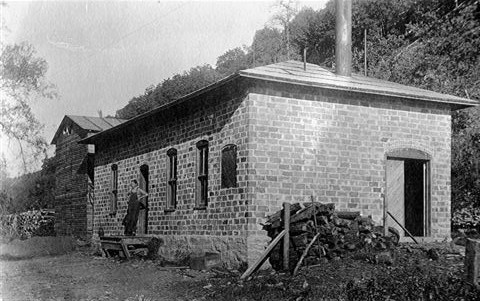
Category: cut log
<point>278,215</point>
<point>264,256</point>
<point>308,212</point>
<point>351,215</point>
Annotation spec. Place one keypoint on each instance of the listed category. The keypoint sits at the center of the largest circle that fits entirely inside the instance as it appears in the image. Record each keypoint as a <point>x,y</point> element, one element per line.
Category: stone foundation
<point>232,249</point>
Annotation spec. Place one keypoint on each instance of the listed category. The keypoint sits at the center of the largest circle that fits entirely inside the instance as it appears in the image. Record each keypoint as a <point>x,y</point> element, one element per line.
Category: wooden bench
<point>125,246</point>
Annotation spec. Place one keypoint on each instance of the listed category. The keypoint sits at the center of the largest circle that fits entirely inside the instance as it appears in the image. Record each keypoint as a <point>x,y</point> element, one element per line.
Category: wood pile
<point>339,233</point>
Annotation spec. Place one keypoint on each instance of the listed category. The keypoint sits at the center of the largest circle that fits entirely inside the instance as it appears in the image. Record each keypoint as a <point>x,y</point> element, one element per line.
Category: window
<point>229,166</point>
<point>202,174</point>
<point>172,178</point>
<point>114,190</point>
<point>67,130</point>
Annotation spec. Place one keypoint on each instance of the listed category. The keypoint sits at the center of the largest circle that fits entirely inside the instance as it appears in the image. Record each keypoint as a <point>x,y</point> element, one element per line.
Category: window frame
<point>114,189</point>
<point>201,191</point>
<point>228,179</point>
<point>172,179</point>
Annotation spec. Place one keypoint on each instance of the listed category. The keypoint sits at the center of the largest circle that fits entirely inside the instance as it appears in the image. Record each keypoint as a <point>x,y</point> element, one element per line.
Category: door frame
<point>144,168</point>
<point>411,153</point>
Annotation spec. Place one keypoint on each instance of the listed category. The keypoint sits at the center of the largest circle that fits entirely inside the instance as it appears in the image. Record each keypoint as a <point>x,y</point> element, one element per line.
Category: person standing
<point>134,206</point>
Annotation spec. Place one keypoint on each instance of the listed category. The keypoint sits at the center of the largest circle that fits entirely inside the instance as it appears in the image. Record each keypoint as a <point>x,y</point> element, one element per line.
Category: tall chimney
<point>343,37</point>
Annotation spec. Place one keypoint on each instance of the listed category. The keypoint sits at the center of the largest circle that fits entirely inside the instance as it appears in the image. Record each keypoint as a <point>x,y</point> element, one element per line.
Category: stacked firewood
<point>338,234</point>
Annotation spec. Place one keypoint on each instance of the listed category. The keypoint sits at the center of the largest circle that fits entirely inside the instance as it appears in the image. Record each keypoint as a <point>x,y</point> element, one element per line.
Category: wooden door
<point>396,193</point>
<point>143,215</point>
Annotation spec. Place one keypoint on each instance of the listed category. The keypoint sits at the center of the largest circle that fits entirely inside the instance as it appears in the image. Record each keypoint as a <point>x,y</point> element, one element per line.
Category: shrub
<point>466,218</point>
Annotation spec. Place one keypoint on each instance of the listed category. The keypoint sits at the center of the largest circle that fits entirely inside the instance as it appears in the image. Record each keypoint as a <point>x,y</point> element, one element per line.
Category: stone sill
<point>169,210</point>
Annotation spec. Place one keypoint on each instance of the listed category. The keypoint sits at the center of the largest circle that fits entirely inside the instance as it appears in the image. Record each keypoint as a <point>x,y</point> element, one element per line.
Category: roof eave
<point>459,103</point>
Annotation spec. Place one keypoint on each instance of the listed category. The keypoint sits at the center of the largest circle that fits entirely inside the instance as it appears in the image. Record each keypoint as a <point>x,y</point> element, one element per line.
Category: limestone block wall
<point>219,227</point>
<point>332,145</point>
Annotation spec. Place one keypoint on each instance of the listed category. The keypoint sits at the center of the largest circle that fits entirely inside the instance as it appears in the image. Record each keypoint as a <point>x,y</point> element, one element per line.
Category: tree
<point>169,90</point>
<point>233,60</point>
<point>285,11</point>
<point>22,81</point>
<point>267,47</point>
<point>315,31</point>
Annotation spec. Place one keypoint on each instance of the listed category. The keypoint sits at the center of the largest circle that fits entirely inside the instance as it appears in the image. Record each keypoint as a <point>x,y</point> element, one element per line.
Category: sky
<point>103,53</point>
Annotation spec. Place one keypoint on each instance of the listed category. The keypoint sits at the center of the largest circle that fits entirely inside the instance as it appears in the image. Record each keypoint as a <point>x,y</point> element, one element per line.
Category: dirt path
<point>79,276</point>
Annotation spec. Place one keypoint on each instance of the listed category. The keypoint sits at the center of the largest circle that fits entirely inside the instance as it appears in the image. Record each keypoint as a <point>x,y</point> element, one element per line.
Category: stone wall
<point>222,225</point>
<point>70,187</point>
<point>293,142</point>
<point>332,145</point>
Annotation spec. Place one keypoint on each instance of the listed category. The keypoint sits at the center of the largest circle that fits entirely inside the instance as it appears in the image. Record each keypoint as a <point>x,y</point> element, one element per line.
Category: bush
<point>27,224</point>
<point>466,218</point>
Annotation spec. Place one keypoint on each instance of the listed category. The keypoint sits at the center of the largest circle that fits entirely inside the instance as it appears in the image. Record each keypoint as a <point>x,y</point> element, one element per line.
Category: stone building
<point>218,161</point>
<point>74,173</point>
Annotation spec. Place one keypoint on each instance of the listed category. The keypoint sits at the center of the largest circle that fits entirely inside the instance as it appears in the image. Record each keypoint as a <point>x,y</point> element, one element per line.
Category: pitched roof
<point>89,124</point>
<point>292,72</point>
<point>314,75</point>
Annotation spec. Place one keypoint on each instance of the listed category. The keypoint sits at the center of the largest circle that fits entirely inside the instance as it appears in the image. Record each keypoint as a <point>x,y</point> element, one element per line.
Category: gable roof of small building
<point>292,72</point>
<point>89,124</point>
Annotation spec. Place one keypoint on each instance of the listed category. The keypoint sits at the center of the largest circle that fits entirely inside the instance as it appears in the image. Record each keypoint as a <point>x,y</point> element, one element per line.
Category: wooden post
<point>472,262</point>
<point>286,238</point>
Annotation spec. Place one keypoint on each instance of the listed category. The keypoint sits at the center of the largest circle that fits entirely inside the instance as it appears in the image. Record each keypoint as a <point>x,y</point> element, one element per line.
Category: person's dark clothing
<point>130,220</point>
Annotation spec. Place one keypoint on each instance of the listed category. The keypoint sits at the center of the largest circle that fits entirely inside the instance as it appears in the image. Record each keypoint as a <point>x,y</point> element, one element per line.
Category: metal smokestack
<point>343,37</point>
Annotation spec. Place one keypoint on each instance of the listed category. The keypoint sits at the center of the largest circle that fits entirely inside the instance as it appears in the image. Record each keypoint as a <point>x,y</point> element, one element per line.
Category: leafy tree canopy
<point>22,81</point>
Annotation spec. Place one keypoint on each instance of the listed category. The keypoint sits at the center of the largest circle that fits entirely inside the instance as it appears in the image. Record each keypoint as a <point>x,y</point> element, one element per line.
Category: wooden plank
<point>396,193</point>
<point>125,250</point>
<point>112,246</point>
<point>299,263</point>
<point>405,229</point>
<point>264,256</point>
<point>286,239</point>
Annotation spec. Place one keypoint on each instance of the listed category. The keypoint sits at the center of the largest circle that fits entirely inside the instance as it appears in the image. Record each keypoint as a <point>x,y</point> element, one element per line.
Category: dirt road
<point>78,276</point>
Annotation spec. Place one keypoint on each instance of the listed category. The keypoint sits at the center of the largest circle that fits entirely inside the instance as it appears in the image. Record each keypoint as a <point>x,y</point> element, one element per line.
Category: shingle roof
<point>292,72</point>
<point>314,75</point>
<point>89,124</point>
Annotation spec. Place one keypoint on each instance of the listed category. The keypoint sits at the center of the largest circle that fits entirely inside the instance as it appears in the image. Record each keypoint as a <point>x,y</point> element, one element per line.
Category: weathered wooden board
<point>396,193</point>
<point>264,256</point>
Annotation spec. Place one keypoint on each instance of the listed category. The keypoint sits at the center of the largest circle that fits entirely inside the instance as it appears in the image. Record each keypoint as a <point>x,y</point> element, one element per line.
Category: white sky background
<point>101,54</point>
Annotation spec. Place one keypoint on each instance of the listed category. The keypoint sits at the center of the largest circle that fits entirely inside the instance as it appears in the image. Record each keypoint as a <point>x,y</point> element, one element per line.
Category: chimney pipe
<point>343,37</point>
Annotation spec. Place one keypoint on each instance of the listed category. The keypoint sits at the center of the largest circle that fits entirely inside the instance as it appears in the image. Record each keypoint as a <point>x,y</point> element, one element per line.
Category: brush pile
<point>340,233</point>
